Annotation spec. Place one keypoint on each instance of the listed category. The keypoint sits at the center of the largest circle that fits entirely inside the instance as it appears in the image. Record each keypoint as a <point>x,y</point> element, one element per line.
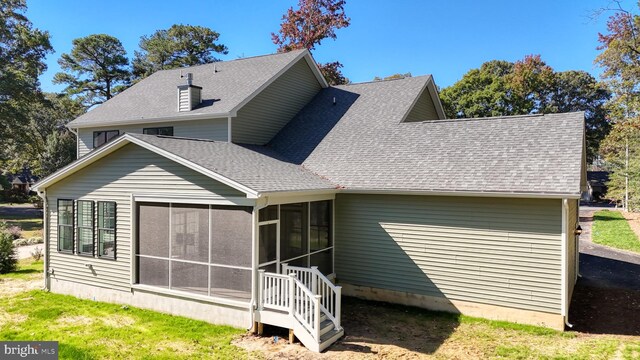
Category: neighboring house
<point>596,185</point>
<point>198,190</point>
<point>22,181</point>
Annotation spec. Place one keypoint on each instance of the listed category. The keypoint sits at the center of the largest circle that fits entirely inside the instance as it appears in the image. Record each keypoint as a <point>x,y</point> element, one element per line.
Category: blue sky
<point>443,38</point>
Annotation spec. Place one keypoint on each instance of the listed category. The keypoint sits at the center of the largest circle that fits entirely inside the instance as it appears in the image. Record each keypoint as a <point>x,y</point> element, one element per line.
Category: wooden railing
<point>318,284</point>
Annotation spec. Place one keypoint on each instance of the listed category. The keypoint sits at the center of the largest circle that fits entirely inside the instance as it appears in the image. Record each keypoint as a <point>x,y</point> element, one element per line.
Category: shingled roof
<point>226,85</point>
<point>361,144</point>
<point>263,171</point>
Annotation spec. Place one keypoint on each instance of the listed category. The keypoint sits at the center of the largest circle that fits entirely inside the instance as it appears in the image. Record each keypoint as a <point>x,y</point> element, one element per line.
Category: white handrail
<point>330,294</point>
<point>306,308</point>
<point>274,291</point>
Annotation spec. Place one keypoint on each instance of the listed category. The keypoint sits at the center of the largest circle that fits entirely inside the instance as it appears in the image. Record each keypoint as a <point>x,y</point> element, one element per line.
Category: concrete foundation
<point>169,304</point>
<point>491,312</point>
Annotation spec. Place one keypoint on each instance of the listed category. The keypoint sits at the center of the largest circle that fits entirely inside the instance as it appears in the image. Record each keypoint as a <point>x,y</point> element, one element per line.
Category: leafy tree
<point>620,61</point>
<point>614,148</point>
<point>95,70</point>
<point>22,52</point>
<point>59,150</point>
<point>481,92</point>
<point>528,86</point>
<point>306,27</point>
<point>47,116</point>
<point>393,77</point>
<point>178,46</point>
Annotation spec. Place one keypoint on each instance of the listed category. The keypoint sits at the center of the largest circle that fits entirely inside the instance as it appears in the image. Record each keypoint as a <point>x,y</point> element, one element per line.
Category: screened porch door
<point>296,234</point>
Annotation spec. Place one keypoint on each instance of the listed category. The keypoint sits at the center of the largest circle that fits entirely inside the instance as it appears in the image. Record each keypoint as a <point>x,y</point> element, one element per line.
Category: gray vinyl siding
<point>261,118</point>
<point>572,246</point>
<point>128,170</point>
<point>211,129</point>
<point>504,252</point>
<point>424,109</point>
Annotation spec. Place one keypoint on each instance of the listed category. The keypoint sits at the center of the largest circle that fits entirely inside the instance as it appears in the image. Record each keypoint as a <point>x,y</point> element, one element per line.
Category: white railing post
<point>338,305</point>
<point>316,320</point>
<point>314,280</point>
<point>285,268</point>
<point>261,289</point>
<point>292,293</point>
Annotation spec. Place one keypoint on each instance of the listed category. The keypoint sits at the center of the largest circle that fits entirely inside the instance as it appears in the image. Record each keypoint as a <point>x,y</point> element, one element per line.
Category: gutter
<point>45,235</point>
<point>436,192</point>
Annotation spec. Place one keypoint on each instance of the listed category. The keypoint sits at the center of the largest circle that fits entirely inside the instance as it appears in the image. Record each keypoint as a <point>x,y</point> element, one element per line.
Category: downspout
<point>563,271</point>
<point>45,235</point>
<point>229,129</point>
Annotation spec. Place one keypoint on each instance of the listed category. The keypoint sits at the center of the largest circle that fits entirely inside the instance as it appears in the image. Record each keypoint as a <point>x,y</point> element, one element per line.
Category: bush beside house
<point>8,259</point>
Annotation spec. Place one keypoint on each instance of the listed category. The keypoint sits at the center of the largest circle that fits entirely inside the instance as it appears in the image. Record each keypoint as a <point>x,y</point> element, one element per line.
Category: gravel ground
<point>24,252</point>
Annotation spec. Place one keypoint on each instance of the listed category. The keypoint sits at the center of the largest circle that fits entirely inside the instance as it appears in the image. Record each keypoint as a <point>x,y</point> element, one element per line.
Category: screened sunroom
<point>208,250</point>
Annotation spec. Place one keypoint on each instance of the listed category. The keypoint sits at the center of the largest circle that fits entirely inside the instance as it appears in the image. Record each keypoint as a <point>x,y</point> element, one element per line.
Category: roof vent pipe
<point>189,96</point>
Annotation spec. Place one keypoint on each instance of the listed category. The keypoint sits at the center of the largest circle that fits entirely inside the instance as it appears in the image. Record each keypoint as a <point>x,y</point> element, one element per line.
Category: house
<point>21,181</point>
<point>250,192</point>
<point>596,185</point>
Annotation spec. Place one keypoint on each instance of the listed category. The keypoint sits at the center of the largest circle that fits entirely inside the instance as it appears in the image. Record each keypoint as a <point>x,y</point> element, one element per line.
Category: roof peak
<point>386,80</point>
<point>233,60</point>
<point>493,117</point>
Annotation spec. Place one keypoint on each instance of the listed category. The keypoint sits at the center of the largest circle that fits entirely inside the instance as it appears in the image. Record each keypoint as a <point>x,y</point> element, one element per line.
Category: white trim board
<point>180,199</point>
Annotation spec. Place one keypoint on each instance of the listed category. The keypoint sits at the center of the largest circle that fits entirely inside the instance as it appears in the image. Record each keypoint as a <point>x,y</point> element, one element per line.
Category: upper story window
<point>102,137</point>
<point>165,131</point>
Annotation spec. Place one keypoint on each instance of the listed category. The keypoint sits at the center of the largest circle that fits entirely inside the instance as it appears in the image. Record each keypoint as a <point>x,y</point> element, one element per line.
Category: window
<point>84,226</point>
<point>293,230</point>
<point>299,234</point>
<point>164,131</point>
<point>199,249</point>
<point>65,225</point>
<point>102,137</point>
<point>107,229</point>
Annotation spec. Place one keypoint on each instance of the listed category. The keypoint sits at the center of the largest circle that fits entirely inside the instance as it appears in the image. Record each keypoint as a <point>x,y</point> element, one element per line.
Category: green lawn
<point>610,228</point>
<point>87,329</point>
<point>27,269</point>
<point>30,226</point>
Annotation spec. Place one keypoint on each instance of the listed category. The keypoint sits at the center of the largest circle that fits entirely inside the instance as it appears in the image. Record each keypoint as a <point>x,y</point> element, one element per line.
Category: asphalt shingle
<point>363,146</point>
<point>222,90</point>
<point>261,171</point>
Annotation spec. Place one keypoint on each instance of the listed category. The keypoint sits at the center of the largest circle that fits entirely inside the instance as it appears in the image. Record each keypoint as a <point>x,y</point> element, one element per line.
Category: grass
<point>87,329</point>
<point>31,226</point>
<point>610,228</point>
<point>27,269</point>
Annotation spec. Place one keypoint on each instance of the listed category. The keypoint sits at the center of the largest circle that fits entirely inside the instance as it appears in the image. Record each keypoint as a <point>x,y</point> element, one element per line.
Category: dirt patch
<point>178,347</point>
<point>77,320</point>
<point>118,321</point>
<point>10,287</point>
<point>634,221</point>
<point>6,318</point>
